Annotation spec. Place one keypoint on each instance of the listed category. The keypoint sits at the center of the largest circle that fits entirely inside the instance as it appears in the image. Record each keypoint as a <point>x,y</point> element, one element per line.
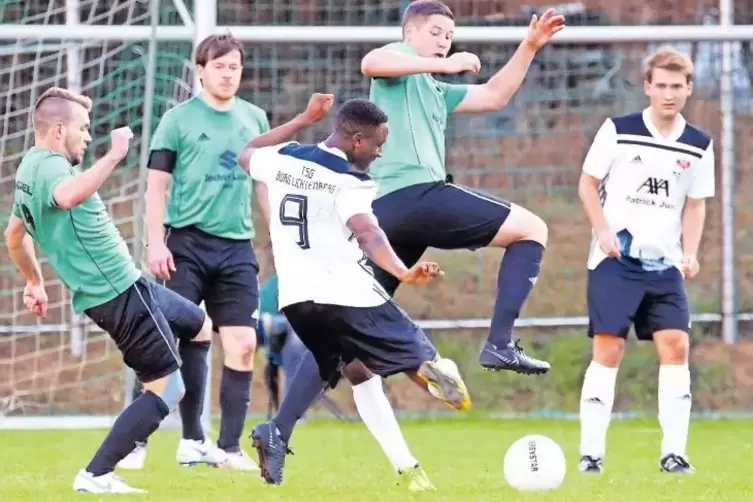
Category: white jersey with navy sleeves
<point>645,180</point>
<point>312,192</point>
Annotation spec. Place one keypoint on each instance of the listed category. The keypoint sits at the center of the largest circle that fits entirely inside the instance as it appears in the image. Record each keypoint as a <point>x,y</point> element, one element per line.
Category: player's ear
<point>690,87</point>
<point>58,130</point>
<point>358,139</point>
<point>646,87</point>
<point>200,72</point>
<point>408,30</point>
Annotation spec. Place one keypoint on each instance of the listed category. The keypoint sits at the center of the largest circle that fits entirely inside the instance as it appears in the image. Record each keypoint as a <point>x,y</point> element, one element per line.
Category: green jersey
<point>82,245</point>
<point>209,189</point>
<point>268,296</point>
<point>417,107</point>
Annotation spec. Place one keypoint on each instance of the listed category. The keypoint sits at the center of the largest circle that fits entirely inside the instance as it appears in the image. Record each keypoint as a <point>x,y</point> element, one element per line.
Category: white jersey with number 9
<point>313,191</point>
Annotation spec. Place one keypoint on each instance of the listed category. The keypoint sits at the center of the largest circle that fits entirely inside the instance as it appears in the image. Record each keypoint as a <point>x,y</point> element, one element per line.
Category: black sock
<point>138,389</point>
<point>194,373</point>
<point>517,275</point>
<point>235,397</point>
<point>135,424</point>
<point>305,388</point>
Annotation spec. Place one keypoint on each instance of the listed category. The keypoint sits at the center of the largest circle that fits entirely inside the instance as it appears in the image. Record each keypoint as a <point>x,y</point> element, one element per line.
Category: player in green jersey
<point>418,205</point>
<point>198,216</point>
<point>57,206</point>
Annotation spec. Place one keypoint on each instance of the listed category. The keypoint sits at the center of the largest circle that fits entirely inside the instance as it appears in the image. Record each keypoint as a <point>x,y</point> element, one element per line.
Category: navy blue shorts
<point>619,296</point>
<point>384,338</point>
<point>223,273</point>
<point>144,322</point>
<point>440,215</point>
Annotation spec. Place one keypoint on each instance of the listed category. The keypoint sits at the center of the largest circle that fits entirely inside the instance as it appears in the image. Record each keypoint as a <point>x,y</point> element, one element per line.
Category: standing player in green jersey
<point>417,203</point>
<point>198,217</point>
<point>57,206</point>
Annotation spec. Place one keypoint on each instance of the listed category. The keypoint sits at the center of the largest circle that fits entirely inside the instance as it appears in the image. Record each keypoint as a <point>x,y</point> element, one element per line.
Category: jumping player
<point>417,203</point>
<point>58,207</point>
<point>644,184</point>
<point>322,230</point>
<point>198,213</point>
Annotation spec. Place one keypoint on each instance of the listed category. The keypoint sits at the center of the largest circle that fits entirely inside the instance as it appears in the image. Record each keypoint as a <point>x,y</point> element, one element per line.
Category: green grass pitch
<point>339,461</point>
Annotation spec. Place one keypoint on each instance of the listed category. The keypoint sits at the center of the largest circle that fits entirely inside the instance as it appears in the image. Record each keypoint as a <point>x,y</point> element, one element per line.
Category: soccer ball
<point>535,464</point>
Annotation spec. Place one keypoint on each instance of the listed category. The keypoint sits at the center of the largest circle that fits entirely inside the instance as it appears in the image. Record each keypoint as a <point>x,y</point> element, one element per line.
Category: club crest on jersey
<point>683,164</point>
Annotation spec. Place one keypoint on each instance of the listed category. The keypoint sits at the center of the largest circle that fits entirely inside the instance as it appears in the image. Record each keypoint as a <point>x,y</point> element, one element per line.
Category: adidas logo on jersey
<point>203,137</point>
<point>637,160</point>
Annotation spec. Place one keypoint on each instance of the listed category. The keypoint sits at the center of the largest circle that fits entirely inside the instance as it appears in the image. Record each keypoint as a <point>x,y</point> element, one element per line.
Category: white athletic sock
<point>376,412</point>
<point>675,402</point>
<point>596,401</point>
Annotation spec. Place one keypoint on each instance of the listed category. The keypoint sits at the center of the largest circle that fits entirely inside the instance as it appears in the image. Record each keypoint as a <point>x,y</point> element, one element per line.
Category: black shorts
<point>439,215</point>
<point>144,321</point>
<point>384,338</point>
<point>619,296</point>
<point>223,273</point>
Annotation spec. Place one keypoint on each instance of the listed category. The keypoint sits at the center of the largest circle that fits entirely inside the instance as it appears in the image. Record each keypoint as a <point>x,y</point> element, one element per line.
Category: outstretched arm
<point>318,107</point>
<point>373,241</point>
<point>497,92</point>
<point>387,63</point>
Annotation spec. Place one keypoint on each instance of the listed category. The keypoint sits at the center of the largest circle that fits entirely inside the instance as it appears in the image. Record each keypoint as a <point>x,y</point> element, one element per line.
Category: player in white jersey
<point>322,231</point>
<point>644,184</point>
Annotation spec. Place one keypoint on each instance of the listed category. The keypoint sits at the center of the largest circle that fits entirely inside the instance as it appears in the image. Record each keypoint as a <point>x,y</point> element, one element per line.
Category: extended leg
<point>524,237</point>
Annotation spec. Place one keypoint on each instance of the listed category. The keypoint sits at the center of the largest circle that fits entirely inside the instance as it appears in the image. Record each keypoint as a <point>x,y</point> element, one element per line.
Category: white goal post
<point>203,23</point>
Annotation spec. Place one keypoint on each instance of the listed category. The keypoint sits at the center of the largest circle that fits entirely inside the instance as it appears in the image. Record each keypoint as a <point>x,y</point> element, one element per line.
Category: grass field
<point>337,461</point>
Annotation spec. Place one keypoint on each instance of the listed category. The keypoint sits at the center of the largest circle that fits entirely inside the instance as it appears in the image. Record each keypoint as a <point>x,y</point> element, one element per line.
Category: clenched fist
<point>461,62</point>
<point>120,140</point>
<point>318,107</point>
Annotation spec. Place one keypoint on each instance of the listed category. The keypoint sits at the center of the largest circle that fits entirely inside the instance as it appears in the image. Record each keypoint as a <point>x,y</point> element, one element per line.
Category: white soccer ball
<point>535,464</point>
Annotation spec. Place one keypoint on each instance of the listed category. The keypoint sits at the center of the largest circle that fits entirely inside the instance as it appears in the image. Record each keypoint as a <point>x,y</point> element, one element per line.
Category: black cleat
<point>590,465</point>
<point>272,451</point>
<point>676,464</point>
<point>511,357</point>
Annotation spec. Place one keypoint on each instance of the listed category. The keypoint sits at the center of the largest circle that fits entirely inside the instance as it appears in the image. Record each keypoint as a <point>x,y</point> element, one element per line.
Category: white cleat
<point>86,482</point>
<point>239,461</point>
<point>192,452</point>
<point>134,460</point>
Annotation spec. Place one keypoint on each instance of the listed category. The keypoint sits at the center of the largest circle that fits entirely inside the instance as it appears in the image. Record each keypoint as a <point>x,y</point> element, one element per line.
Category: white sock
<point>596,401</point>
<point>376,412</point>
<point>674,407</point>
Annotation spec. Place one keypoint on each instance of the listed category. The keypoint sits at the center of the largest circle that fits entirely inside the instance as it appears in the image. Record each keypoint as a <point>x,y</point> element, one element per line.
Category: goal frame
<point>204,23</point>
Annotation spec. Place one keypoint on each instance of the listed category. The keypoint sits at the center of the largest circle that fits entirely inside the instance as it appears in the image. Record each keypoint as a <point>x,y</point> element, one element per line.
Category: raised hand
<point>319,107</point>
<point>542,29</point>
<point>120,140</point>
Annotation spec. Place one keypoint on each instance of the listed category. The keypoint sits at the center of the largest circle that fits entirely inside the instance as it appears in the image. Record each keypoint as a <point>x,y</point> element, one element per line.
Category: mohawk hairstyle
<point>54,105</point>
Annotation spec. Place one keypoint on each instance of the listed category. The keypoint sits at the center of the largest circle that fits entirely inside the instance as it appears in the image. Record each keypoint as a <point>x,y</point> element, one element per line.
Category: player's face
<point>667,92</point>
<point>431,37</point>
<point>367,148</point>
<point>221,76</point>
<point>75,134</point>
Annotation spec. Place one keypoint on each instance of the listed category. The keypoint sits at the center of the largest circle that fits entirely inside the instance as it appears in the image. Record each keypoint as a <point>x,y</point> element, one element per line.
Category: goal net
<point>530,152</point>
<point>62,365</point>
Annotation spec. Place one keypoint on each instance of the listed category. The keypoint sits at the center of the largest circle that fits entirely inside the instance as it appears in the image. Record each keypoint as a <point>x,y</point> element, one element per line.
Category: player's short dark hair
<point>216,46</point>
<point>426,8</point>
<point>356,115</point>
